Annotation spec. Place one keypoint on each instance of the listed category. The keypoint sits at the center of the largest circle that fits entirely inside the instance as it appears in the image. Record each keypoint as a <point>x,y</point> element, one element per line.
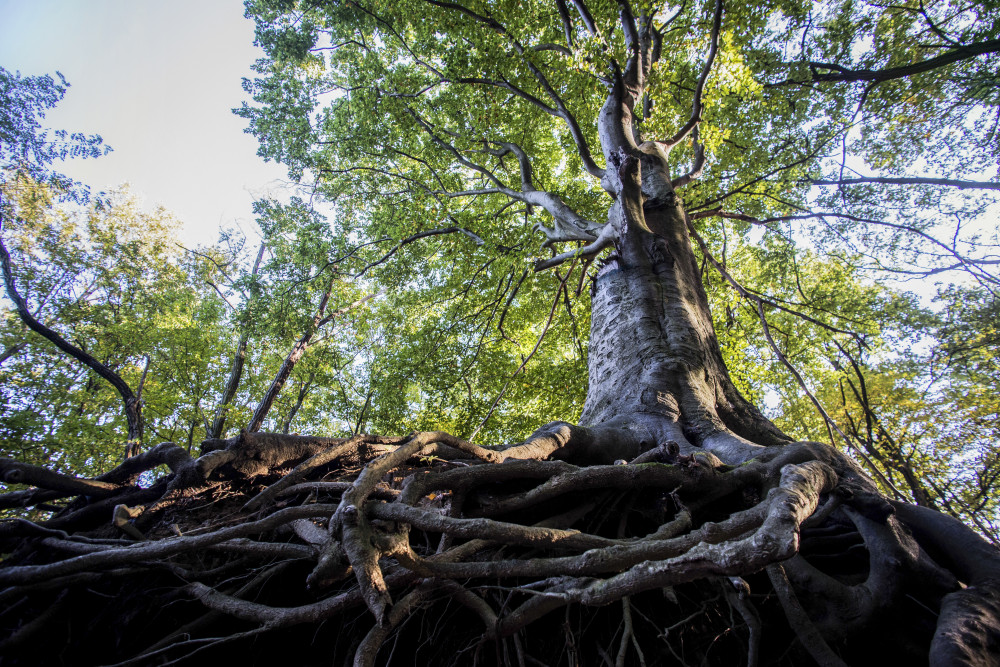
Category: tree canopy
<point>829,155</point>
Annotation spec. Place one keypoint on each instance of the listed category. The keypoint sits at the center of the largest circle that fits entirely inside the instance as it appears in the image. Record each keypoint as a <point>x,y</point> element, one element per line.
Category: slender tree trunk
<point>363,413</point>
<point>298,349</point>
<point>299,400</point>
<point>217,428</point>
<point>218,425</point>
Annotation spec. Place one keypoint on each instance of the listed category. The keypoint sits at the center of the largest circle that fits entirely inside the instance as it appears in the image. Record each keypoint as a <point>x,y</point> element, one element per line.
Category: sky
<point>158,80</point>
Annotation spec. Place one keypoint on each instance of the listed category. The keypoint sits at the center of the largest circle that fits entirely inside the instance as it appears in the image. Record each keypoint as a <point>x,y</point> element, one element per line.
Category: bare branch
<point>911,180</point>
<point>588,19</point>
<point>552,47</point>
<point>605,239</point>
<point>568,224</point>
<point>527,181</point>
<point>567,23</point>
<point>970,265</point>
<point>697,106</point>
<point>837,73</point>
<point>506,85</point>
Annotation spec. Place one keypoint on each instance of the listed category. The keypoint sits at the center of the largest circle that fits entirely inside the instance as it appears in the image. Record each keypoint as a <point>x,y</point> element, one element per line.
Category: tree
<point>671,521</point>
<point>108,281</point>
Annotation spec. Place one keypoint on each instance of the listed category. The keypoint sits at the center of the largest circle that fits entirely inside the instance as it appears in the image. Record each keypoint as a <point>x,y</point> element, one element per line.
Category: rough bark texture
<point>654,361</point>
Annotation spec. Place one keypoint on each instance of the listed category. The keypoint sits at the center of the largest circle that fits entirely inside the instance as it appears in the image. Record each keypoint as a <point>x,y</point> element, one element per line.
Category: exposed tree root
<point>346,546</point>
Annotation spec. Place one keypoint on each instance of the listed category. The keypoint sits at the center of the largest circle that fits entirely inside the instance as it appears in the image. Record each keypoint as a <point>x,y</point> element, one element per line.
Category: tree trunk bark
<point>654,363</point>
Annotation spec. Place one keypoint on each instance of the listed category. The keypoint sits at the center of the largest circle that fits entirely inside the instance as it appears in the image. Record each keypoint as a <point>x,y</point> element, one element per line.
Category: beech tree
<point>658,517</point>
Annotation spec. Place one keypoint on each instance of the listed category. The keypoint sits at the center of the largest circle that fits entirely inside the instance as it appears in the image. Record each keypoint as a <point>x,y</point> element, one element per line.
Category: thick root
<point>518,541</point>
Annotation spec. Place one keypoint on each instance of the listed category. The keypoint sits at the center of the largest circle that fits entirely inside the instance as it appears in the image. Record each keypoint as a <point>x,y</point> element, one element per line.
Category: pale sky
<point>157,79</point>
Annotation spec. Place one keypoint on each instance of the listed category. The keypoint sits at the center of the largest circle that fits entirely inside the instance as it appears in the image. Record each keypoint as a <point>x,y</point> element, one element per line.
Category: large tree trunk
<point>789,558</point>
<point>654,362</point>
<point>719,541</point>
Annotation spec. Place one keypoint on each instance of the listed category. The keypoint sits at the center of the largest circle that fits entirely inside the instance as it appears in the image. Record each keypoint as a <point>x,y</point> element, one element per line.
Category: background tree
<point>109,281</point>
<point>667,518</point>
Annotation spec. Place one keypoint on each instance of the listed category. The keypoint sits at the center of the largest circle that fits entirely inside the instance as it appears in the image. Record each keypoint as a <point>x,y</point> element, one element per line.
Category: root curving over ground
<point>427,549</point>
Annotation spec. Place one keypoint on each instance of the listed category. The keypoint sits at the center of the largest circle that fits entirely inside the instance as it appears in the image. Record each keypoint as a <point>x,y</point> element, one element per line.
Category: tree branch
<point>417,237</point>
<point>567,23</point>
<point>576,132</point>
<point>973,266</point>
<point>697,167</point>
<point>588,19</point>
<point>911,180</point>
<point>842,74</point>
<point>605,239</point>
<point>11,351</point>
<point>568,225</point>
<point>133,408</point>
<point>697,106</point>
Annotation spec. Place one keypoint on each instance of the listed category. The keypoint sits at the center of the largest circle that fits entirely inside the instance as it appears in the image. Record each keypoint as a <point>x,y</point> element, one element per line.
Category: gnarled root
<point>516,542</point>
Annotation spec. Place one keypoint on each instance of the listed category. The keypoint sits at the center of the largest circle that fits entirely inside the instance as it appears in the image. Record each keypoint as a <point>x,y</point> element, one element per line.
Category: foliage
<point>376,109</point>
<point>399,114</point>
<point>816,146</point>
<point>114,280</point>
<point>25,146</point>
<point>111,279</point>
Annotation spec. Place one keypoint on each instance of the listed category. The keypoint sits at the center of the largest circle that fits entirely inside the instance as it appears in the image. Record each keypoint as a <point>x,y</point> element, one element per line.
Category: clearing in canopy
<point>634,279</point>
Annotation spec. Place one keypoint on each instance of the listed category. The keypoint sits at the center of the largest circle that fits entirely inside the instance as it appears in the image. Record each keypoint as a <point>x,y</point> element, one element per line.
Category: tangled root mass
<point>427,549</point>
